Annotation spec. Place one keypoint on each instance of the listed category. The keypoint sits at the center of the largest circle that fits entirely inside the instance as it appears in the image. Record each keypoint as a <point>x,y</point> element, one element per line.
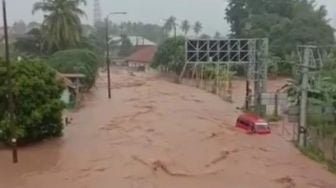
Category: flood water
<point>156,134</point>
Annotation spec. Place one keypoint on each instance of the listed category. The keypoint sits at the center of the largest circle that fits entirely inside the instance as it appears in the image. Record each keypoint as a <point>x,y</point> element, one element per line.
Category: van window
<point>262,126</point>
<point>245,123</point>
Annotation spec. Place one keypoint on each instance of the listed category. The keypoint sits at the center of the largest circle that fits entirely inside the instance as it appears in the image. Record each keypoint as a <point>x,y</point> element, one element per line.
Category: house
<point>71,94</point>
<point>141,59</point>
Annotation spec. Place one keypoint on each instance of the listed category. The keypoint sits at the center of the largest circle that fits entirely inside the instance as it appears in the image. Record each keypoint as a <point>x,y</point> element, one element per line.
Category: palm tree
<point>185,27</point>
<point>170,24</point>
<point>217,35</point>
<point>61,26</point>
<point>197,28</point>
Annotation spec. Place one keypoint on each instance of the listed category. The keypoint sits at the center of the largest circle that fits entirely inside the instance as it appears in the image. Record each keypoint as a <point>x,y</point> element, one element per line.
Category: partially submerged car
<point>253,124</point>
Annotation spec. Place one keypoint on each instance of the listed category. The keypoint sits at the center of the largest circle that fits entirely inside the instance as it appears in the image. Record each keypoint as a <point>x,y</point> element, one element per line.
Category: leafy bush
<point>37,101</point>
<point>77,61</point>
<point>170,55</point>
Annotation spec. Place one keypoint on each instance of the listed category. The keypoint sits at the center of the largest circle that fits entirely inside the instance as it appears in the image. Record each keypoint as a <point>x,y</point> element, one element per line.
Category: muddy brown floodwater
<point>156,134</point>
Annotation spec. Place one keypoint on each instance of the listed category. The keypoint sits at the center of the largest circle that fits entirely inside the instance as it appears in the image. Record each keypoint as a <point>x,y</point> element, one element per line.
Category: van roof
<point>251,117</point>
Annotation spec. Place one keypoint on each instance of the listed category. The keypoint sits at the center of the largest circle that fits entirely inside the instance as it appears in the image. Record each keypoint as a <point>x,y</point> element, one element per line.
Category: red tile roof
<point>143,55</point>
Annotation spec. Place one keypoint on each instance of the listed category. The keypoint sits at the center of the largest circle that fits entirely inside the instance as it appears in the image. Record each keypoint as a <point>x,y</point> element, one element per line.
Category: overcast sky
<point>209,12</point>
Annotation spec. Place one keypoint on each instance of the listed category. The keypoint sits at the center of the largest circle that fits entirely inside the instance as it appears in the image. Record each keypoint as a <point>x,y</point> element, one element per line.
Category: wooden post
<point>229,82</point>
<point>193,75</point>
<point>217,77</point>
<point>248,94</point>
<point>77,91</point>
<point>276,104</point>
<point>202,76</point>
<point>334,150</point>
<point>182,73</point>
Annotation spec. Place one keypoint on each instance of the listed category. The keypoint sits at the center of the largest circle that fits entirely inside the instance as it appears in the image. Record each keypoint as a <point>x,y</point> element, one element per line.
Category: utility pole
<point>257,87</point>
<point>247,94</point>
<point>108,59</point>
<point>108,63</point>
<point>10,87</point>
<point>175,43</point>
<point>304,98</point>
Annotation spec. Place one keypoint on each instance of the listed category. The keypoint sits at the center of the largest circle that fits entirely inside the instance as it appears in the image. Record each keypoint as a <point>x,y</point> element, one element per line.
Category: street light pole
<point>9,85</point>
<point>108,63</point>
<point>108,59</point>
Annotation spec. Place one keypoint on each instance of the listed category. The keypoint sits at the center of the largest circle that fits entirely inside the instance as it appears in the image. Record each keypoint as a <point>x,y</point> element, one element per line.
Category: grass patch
<point>313,153</point>
<point>331,166</point>
<point>317,155</point>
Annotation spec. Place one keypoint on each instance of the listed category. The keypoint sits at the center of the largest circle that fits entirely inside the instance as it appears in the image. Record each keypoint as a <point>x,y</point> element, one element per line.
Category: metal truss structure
<point>232,50</point>
<point>253,53</point>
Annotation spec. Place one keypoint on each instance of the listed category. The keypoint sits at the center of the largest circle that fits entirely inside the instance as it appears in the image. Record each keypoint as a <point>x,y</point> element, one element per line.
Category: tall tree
<point>170,24</point>
<point>235,14</point>
<point>217,35</point>
<point>19,27</point>
<point>287,23</point>
<point>170,55</point>
<point>185,27</point>
<point>61,26</point>
<point>198,28</point>
<point>126,47</point>
<point>30,43</point>
<point>33,25</point>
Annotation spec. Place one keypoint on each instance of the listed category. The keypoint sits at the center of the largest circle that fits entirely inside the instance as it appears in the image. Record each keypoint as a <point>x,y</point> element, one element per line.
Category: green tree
<point>37,101</point>
<point>152,32</point>
<point>19,27</point>
<point>126,47</point>
<point>61,26</point>
<point>30,44</point>
<point>77,61</point>
<point>33,25</point>
<point>170,24</point>
<point>185,27</point>
<point>287,23</point>
<point>170,55</point>
<point>198,28</point>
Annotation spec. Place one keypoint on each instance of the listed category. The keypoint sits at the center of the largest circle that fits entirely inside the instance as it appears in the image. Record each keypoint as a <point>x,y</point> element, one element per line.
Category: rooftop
<point>73,75</point>
<point>135,40</point>
<point>143,55</point>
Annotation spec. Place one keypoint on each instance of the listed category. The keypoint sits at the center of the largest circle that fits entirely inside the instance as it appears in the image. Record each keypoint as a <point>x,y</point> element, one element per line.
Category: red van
<point>253,124</point>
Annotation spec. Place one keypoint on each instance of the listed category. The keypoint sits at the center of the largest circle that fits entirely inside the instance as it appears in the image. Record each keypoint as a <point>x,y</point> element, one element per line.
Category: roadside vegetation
<point>38,107</point>
<point>58,45</point>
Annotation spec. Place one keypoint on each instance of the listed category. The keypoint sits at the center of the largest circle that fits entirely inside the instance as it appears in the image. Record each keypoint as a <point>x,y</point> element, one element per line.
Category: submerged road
<point>156,134</point>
